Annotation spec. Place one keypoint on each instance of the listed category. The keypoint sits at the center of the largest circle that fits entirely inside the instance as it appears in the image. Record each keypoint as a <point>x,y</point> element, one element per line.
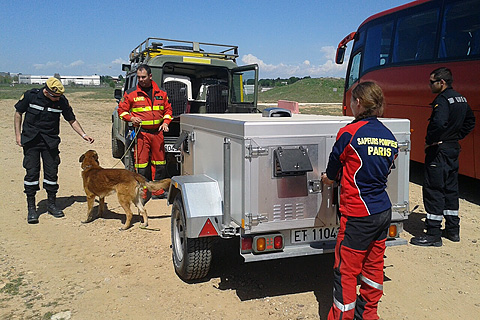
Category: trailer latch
<point>315,186</point>
<point>291,162</point>
<point>254,220</point>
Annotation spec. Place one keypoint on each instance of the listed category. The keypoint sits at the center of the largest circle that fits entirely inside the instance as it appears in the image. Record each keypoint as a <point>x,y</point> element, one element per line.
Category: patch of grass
<point>13,287</point>
<point>307,90</point>
<point>50,304</point>
<point>48,315</point>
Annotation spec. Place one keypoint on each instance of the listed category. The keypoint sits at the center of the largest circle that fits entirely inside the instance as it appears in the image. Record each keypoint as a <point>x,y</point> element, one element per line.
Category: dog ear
<point>82,157</point>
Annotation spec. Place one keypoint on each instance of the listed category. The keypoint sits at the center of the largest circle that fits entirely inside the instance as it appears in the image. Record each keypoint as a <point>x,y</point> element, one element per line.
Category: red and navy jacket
<point>136,103</point>
<point>363,156</point>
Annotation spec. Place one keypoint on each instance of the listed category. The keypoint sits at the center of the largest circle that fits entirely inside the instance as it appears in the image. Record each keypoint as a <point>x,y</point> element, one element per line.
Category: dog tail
<point>158,185</point>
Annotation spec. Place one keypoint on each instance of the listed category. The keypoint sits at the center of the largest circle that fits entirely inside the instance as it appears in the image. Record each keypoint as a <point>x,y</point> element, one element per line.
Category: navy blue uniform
<point>363,156</point>
<point>451,120</point>
<point>40,138</point>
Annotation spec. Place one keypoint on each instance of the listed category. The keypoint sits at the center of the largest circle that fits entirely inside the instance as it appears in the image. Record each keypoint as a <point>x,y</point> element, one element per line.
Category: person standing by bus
<point>451,120</point>
<point>363,156</point>
<point>147,107</point>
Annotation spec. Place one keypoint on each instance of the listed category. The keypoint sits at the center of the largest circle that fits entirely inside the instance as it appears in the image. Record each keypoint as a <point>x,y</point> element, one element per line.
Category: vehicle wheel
<point>191,256</point>
<point>117,147</point>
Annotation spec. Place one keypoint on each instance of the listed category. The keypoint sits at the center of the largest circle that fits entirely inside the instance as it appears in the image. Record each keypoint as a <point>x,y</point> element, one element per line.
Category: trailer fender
<point>202,201</point>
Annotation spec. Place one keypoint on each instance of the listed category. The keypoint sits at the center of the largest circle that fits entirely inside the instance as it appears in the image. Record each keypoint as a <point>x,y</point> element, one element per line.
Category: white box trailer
<point>258,177</point>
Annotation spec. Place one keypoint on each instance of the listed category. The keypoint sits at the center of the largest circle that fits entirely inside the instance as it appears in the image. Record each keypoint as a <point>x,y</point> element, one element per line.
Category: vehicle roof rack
<point>152,47</point>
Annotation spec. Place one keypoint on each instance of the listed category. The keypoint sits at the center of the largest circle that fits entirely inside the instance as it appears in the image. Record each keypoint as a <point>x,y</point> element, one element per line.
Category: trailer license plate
<point>314,234</point>
<point>170,148</point>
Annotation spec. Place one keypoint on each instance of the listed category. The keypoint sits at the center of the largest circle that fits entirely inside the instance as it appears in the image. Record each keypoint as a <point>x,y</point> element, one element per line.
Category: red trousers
<point>359,255</point>
<point>150,148</point>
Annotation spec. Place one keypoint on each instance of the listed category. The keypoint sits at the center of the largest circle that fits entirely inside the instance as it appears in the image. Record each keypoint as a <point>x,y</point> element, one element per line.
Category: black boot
<point>52,208</point>
<point>32,216</point>
<point>427,241</point>
<point>453,236</point>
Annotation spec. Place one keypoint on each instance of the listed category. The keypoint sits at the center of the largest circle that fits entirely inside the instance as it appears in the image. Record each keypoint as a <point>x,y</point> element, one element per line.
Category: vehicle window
<point>460,35</point>
<point>354,72</point>
<point>377,45</point>
<point>359,40</point>
<point>244,86</point>
<point>415,36</point>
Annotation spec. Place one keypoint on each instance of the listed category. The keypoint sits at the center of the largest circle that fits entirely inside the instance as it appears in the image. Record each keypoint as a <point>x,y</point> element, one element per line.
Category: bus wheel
<point>191,256</point>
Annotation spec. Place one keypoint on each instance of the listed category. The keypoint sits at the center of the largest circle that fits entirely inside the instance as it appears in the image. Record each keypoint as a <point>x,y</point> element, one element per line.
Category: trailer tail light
<point>208,230</point>
<point>278,242</point>
<point>267,243</point>
<point>392,231</point>
<point>247,244</point>
<point>260,244</point>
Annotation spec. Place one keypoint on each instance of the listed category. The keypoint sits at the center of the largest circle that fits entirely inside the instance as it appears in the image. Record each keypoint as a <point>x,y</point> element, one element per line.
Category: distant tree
<point>57,75</point>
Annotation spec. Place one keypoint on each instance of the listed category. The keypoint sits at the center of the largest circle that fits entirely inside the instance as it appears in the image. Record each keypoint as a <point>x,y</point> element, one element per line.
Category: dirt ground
<point>62,268</point>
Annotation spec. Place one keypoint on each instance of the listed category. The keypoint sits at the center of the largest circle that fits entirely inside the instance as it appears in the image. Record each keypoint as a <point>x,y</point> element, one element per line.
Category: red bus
<point>398,49</point>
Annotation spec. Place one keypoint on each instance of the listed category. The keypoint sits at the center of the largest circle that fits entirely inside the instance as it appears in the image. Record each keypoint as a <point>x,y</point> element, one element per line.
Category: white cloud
<point>76,64</point>
<point>119,61</point>
<point>328,69</point>
<point>48,65</point>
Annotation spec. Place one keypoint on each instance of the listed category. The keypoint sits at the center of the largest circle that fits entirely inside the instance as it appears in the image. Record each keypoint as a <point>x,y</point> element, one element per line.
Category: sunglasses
<point>433,81</point>
<point>53,95</point>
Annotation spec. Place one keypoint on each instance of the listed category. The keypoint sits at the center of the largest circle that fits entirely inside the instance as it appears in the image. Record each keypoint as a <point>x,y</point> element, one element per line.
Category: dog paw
<point>87,221</point>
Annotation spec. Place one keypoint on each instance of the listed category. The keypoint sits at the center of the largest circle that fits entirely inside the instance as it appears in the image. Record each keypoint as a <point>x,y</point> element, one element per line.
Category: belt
<point>149,130</point>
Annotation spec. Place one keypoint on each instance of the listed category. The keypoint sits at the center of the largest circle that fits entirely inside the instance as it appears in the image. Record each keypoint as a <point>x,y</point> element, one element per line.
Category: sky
<point>72,37</point>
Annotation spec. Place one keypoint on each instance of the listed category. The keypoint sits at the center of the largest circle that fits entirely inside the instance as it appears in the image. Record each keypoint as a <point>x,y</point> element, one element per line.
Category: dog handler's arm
<point>18,124</point>
<point>78,129</point>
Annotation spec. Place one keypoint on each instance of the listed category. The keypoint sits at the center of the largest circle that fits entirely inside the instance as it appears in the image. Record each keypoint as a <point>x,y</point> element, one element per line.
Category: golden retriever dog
<point>100,182</point>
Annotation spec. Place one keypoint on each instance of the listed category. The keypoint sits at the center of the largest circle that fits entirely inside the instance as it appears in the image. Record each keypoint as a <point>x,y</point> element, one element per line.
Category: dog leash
<point>129,146</point>
<point>149,229</point>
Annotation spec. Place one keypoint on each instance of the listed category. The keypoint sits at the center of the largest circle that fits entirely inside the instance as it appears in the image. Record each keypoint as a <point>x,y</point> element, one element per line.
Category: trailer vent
<point>291,162</point>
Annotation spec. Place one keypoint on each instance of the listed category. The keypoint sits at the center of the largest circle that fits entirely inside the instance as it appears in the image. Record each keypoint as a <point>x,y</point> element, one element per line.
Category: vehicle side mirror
<point>117,94</point>
<point>340,55</point>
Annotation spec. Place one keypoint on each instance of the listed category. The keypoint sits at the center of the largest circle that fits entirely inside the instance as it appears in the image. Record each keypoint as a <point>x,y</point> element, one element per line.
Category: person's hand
<point>325,180</point>
<point>88,138</point>
<point>136,121</point>
<point>164,127</point>
<point>19,141</point>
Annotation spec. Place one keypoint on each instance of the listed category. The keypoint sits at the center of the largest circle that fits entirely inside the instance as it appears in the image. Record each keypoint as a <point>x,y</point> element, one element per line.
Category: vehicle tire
<point>117,147</point>
<point>191,256</point>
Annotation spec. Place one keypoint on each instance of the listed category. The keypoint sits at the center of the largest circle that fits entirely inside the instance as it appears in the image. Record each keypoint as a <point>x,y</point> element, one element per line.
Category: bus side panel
<point>408,95</point>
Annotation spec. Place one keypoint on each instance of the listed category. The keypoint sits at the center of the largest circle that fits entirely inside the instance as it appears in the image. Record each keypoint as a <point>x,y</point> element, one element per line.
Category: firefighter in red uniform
<point>362,156</point>
<point>147,107</point>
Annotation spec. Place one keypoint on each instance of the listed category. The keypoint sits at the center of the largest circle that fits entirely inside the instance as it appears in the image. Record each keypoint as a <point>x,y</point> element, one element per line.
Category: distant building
<point>66,80</point>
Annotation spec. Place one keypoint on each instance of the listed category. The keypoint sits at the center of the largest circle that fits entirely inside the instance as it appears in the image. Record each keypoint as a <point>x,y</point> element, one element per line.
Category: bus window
<point>415,36</point>
<point>354,73</point>
<point>460,35</point>
<point>379,39</point>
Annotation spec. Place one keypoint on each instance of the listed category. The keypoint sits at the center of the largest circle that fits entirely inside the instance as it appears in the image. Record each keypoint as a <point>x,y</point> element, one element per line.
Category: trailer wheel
<point>191,256</point>
<point>117,146</point>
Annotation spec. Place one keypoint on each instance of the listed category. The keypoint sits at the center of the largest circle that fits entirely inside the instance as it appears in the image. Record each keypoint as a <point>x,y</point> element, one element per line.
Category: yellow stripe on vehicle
<point>196,60</point>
